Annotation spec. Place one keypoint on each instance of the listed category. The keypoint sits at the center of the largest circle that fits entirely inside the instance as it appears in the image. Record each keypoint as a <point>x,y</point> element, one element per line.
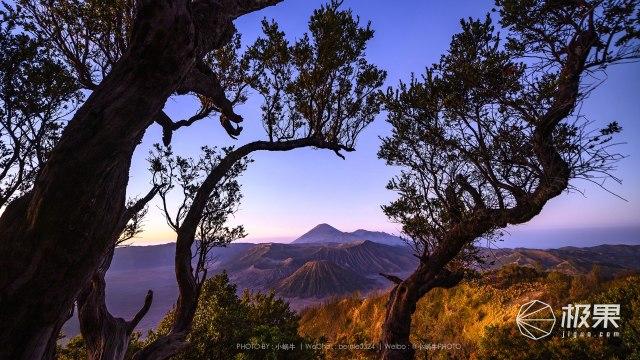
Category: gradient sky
<point>285,194</point>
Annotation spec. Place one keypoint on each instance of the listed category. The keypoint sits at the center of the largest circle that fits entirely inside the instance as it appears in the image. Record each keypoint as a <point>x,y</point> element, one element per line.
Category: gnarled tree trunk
<point>556,173</point>
<point>53,239</point>
<point>402,303</point>
<point>397,322</point>
<point>106,337</point>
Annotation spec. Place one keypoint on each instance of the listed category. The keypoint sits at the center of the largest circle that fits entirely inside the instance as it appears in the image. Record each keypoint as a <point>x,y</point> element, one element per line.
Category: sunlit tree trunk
<point>397,323</point>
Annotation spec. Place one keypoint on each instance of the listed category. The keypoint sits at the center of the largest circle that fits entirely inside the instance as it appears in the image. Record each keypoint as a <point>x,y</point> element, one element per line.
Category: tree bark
<point>397,322</point>
<point>54,238</point>
<point>402,303</point>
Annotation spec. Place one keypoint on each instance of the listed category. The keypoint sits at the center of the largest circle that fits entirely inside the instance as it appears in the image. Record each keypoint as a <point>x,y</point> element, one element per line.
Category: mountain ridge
<point>325,233</point>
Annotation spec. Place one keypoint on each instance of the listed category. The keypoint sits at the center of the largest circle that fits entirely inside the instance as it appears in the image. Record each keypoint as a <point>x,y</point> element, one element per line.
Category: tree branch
<point>204,82</point>
<point>131,211</point>
<point>448,279</point>
<point>243,7</point>
<point>188,284</point>
<point>394,279</point>
<point>142,312</point>
<point>169,126</point>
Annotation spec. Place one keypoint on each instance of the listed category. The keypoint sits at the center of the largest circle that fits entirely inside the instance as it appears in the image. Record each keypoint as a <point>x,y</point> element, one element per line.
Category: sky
<point>286,194</point>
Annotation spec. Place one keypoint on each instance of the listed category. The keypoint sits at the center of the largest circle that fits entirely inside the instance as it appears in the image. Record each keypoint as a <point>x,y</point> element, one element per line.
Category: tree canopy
<point>493,131</point>
<point>37,92</point>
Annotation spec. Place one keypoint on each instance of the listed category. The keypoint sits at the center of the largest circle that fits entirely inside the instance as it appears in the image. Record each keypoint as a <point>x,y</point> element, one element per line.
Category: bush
<point>224,322</point>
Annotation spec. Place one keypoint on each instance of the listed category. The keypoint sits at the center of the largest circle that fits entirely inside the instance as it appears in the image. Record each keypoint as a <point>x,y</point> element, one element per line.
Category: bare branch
<point>142,312</point>
<point>394,279</point>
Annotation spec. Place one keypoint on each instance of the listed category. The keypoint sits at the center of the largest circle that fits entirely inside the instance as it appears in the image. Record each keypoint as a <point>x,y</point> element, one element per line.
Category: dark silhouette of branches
<point>492,132</point>
<point>185,177</point>
<point>90,36</point>
<point>36,95</point>
<point>130,57</point>
<point>319,92</point>
<point>107,336</point>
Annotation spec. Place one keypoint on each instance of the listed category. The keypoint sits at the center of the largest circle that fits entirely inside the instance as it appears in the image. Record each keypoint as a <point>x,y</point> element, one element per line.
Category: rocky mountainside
<point>321,278</point>
<point>368,257</point>
<point>264,266</point>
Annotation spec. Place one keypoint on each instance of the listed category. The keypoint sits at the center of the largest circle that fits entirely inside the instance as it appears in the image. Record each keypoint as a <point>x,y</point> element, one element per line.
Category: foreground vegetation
<point>225,326</point>
<point>476,320</point>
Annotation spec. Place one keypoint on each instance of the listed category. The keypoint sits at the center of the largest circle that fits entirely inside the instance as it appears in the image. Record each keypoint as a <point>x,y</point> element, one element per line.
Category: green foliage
<point>224,321</point>
<point>89,36</point>
<point>512,274</point>
<point>502,341</point>
<point>219,324</point>
<point>187,177</point>
<point>76,349</point>
<point>467,133</point>
<point>626,292</point>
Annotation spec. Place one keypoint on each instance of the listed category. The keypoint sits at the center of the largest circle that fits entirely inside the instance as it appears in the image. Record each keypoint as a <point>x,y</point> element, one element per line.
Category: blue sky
<point>285,194</point>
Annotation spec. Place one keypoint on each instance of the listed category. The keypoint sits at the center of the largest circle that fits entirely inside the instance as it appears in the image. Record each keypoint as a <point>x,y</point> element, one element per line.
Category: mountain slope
<point>479,314</point>
<point>320,278</point>
<point>379,237</point>
<point>135,269</point>
<point>263,256</point>
<point>368,257</point>
<point>264,265</point>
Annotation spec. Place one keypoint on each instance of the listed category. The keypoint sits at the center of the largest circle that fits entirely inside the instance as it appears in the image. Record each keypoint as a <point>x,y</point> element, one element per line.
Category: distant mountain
<point>619,256</point>
<point>143,257</point>
<point>321,278</point>
<point>265,256</point>
<point>325,233</point>
<point>379,237</point>
<point>265,265</point>
<point>612,259</point>
<point>154,256</point>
